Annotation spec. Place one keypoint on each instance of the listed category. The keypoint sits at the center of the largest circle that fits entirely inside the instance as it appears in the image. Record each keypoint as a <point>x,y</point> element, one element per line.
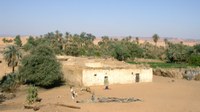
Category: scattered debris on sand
<point>6,96</point>
<point>109,100</point>
<point>2,97</point>
<point>35,108</point>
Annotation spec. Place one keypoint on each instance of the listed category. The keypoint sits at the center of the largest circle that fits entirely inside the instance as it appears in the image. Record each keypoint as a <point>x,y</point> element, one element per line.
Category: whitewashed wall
<point>92,77</point>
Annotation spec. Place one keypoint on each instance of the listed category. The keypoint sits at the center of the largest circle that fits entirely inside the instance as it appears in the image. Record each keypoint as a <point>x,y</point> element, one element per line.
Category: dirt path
<point>162,95</point>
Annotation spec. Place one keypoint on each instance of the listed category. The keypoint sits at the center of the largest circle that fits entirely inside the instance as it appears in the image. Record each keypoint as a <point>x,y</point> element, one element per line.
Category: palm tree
<point>128,39</point>
<point>166,41</point>
<point>155,38</point>
<point>137,40</point>
<point>12,56</point>
<point>58,35</point>
<point>67,35</point>
<point>17,41</point>
<point>4,40</point>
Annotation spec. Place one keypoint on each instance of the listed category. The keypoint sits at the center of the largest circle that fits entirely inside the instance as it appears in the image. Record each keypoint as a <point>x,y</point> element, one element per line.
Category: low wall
<point>91,77</point>
<point>72,75</point>
<point>179,73</point>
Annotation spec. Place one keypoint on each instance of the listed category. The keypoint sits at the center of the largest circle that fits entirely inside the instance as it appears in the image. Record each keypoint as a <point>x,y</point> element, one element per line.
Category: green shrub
<point>7,40</point>
<point>152,52</point>
<point>178,53</point>
<point>197,48</point>
<point>41,68</point>
<point>121,53</point>
<point>18,41</point>
<point>9,82</point>
<point>194,60</point>
<point>30,44</point>
<point>32,94</point>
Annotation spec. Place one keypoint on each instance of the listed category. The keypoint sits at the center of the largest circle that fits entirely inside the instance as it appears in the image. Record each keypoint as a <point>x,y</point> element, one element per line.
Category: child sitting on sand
<point>73,92</point>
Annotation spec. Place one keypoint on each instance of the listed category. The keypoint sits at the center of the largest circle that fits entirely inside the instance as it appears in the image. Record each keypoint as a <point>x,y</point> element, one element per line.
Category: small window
<point>132,73</point>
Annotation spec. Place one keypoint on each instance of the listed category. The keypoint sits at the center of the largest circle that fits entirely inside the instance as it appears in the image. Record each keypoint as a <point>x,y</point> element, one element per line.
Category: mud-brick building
<point>91,71</point>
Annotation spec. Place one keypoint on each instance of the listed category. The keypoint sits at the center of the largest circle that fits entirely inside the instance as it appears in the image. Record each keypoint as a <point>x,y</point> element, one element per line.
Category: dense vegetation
<point>9,82</point>
<point>125,49</point>
<point>39,66</point>
<point>165,65</point>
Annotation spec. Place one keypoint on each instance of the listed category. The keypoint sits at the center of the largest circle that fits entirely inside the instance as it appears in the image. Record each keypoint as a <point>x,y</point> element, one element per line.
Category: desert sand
<point>161,95</point>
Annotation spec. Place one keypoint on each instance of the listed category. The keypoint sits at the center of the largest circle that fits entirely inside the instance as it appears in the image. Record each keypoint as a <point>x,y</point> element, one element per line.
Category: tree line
<point>125,49</point>
<point>38,64</point>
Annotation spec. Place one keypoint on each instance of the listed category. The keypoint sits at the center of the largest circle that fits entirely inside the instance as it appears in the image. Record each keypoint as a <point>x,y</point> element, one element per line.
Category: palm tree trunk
<point>13,69</point>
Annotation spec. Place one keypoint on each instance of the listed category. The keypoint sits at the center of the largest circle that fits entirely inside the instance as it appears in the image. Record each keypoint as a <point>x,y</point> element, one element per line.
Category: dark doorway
<point>137,77</point>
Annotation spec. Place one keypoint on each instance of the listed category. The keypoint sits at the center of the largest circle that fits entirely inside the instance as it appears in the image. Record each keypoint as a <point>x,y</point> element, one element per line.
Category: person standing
<point>106,83</point>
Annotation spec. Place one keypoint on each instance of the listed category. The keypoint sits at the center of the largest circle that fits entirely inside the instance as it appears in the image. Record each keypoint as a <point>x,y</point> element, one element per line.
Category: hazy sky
<point>167,18</point>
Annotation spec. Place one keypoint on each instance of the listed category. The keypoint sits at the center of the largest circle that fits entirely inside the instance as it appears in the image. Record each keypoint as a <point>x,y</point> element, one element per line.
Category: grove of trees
<point>39,66</point>
<point>125,49</point>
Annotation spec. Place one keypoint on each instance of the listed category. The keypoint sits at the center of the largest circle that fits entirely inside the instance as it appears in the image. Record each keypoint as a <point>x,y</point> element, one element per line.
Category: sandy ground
<point>162,95</point>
